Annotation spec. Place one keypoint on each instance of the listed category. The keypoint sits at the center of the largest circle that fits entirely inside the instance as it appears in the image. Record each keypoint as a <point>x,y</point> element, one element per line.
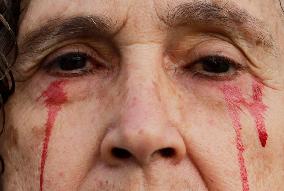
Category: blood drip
<point>235,101</point>
<point>54,97</point>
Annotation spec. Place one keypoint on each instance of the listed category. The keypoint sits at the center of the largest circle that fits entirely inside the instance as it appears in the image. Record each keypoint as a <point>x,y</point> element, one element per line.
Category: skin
<point>143,99</point>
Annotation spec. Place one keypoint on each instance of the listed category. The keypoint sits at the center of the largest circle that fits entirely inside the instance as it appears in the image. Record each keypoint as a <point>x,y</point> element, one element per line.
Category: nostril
<point>121,153</point>
<point>167,152</point>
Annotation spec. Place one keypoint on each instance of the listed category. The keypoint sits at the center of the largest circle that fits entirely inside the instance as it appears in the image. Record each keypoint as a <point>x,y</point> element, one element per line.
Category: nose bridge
<point>143,107</point>
<point>144,92</point>
<point>142,117</point>
<point>142,129</point>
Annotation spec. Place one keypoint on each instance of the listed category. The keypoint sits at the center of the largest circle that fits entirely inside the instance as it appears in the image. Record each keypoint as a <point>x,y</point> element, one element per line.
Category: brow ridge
<point>227,16</point>
<point>64,29</point>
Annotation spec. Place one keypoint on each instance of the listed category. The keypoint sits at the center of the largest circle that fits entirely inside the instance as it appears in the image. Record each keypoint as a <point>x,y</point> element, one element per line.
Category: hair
<point>9,15</point>
<point>280,2</point>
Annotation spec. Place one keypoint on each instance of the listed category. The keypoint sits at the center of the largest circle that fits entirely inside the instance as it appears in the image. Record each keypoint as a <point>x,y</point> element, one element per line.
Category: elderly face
<point>154,95</point>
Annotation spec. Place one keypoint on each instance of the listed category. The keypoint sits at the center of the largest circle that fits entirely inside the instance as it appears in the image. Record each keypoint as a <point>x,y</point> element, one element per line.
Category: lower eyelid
<point>69,75</point>
<point>216,77</point>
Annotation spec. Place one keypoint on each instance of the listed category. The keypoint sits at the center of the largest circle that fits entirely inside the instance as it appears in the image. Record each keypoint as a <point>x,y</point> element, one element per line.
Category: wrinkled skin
<point>150,97</point>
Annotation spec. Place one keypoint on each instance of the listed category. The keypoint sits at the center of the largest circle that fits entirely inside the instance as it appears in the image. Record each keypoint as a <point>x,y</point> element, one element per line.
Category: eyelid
<point>215,48</point>
<point>71,49</point>
<point>234,70</point>
<point>184,59</point>
<point>231,61</point>
<point>94,62</point>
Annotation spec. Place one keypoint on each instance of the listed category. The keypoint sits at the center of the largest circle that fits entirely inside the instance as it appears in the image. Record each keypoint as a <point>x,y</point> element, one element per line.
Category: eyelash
<point>193,69</point>
<point>90,60</point>
<point>60,66</point>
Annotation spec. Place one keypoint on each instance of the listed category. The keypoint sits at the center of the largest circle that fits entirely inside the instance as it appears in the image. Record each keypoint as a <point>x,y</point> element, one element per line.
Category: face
<point>152,95</point>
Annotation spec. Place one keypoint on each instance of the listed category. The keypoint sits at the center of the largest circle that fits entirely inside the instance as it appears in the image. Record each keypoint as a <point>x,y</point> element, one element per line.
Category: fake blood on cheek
<point>235,101</point>
<point>54,96</point>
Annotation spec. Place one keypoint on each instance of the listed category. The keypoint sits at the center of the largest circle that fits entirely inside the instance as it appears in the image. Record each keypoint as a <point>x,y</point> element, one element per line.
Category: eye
<point>72,61</point>
<point>215,67</point>
<point>73,64</point>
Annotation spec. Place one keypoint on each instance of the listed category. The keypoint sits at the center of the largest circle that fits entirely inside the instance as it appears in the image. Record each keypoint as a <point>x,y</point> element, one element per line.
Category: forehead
<point>121,10</point>
<point>136,17</point>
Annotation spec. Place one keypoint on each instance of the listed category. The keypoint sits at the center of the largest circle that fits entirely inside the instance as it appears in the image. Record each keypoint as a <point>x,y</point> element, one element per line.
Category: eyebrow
<point>228,17</point>
<point>59,30</point>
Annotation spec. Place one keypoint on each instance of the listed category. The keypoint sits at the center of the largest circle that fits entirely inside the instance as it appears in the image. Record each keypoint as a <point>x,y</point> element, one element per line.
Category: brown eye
<point>216,67</point>
<point>213,64</point>
<point>75,60</point>
<point>72,61</point>
<point>74,64</point>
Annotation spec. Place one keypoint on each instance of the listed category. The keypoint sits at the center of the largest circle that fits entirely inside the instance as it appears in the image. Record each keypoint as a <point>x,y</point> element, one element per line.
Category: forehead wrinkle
<point>226,16</point>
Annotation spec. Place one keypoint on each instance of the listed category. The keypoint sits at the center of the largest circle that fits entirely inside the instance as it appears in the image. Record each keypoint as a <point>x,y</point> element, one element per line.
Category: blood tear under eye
<point>235,100</point>
<point>54,96</point>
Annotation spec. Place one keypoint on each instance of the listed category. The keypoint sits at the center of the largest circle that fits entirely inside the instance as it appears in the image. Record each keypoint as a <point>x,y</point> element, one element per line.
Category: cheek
<point>235,101</point>
<point>72,133</point>
<point>210,140</point>
<point>73,146</point>
<point>54,97</point>
<point>208,127</point>
<point>214,127</point>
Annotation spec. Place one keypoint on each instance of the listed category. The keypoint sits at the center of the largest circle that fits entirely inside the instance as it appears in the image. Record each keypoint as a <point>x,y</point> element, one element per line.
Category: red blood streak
<point>232,96</point>
<point>235,101</point>
<point>257,109</point>
<point>54,98</point>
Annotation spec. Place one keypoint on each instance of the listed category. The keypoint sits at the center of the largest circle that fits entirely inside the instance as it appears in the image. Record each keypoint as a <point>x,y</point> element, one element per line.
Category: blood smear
<point>54,98</point>
<point>235,101</point>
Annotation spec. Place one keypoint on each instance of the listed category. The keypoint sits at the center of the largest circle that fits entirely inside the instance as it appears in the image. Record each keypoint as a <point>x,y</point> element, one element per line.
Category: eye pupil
<point>216,65</point>
<point>72,61</point>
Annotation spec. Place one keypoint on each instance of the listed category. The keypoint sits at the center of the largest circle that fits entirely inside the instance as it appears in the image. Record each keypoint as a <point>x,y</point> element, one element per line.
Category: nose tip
<point>121,148</point>
<point>143,130</point>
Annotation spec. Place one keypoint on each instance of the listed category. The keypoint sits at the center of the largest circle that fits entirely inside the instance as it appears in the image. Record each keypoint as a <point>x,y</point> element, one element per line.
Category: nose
<point>143,132</point>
